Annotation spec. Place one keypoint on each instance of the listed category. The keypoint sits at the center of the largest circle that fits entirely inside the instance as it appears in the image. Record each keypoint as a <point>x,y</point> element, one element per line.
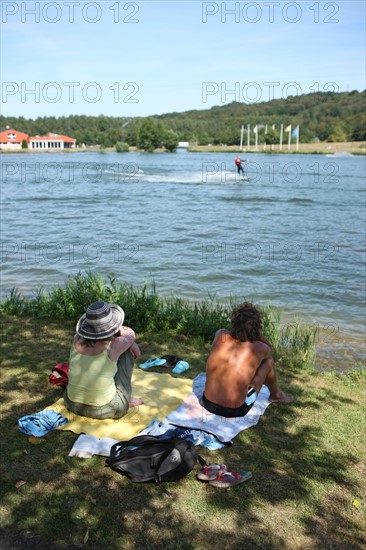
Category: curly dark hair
<point>246,322</point>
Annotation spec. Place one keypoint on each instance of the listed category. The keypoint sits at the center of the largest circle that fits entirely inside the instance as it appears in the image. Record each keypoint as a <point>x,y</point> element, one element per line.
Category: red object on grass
<point>60,375</point>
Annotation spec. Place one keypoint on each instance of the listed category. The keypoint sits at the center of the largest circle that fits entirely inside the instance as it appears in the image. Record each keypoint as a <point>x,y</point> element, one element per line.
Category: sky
<point>147,57</point>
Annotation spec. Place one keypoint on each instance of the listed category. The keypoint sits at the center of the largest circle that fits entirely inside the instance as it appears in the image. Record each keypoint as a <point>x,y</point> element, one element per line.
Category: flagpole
<point>289,139</point>
<point>281,135</point>
<point>265,142</point>
<point>248,136</point>
<point>298,137</point>
<point>241,137</point>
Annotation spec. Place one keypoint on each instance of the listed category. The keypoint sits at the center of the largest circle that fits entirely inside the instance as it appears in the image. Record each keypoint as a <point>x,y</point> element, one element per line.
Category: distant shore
<point>321,148</point>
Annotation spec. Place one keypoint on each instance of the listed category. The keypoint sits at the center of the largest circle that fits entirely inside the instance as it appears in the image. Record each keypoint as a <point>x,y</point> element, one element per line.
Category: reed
<point>146,311</point>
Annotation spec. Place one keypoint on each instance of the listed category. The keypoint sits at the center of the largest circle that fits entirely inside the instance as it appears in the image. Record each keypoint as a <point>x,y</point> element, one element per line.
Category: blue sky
<point>139,58</point>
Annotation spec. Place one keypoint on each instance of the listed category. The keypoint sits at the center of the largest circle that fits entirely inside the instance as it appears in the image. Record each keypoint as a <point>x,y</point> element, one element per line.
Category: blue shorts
<point>231,412</point>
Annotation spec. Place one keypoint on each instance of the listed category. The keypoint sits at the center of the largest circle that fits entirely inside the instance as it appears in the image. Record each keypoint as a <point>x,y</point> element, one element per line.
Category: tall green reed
<point>146,311</point>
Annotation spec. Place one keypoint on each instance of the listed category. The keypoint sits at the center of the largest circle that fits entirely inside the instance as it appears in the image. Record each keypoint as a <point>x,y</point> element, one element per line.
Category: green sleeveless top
<point>91,378</point>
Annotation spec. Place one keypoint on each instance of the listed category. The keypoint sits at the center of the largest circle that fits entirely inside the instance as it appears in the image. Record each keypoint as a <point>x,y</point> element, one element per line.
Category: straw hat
<point>100,321</point>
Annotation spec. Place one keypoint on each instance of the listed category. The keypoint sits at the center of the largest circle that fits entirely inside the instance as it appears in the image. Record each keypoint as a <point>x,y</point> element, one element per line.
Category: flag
<point>255,129</point>
<point>295,132</point>
<point>273,126</point>
<point>288,129</point>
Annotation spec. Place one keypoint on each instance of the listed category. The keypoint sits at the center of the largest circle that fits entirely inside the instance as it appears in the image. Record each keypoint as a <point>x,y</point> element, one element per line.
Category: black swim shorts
<point>231,412</point>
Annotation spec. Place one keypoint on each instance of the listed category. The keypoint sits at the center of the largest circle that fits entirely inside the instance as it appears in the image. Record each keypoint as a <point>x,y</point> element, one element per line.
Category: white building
<point>51,142</point>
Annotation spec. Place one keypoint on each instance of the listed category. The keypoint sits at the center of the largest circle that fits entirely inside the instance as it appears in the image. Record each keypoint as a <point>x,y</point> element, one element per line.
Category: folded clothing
<point>197,437</point>
<point>41,423</point>
<point>164,430</point>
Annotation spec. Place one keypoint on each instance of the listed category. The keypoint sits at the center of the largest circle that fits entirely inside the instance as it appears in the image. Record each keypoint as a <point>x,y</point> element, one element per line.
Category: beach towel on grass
<point>161,393</point>
<point>191,414</point>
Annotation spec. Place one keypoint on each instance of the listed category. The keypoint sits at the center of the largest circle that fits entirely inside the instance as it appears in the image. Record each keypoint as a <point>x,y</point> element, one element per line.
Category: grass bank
<point>353,147</point>
<point>321,148</point>
<point>307,458</point>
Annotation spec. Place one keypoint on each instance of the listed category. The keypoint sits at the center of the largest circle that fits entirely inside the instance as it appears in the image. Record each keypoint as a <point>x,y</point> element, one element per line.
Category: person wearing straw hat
<point>101,364</point>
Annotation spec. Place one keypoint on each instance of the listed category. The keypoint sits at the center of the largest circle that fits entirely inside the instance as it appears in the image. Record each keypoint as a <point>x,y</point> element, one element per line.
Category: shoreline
<point>349,148</point>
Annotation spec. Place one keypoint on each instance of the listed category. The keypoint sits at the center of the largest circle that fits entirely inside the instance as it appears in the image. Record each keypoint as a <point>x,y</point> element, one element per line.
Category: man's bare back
<point>232,367</point>
<point>240,362</point>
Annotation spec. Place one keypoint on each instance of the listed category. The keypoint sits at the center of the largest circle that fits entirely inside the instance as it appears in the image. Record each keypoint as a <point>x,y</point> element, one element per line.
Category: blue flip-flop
<point>180,367</point>
<point>153,362</point>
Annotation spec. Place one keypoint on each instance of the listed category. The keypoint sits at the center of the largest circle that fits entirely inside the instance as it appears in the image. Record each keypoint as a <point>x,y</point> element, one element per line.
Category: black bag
<point>148,458</point>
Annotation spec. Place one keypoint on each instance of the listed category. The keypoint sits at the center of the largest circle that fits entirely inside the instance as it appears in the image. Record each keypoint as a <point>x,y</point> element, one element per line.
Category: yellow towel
<point>161,393</point>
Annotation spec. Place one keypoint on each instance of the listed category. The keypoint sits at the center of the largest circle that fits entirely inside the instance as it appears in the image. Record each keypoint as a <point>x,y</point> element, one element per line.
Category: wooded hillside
<point>324,116</point>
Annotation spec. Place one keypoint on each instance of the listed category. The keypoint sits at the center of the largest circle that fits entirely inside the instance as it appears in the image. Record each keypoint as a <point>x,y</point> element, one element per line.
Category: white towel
<point>191,414</point>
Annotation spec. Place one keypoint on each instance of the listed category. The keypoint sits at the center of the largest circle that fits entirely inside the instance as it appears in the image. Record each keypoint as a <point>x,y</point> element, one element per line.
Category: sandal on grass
<point>180,367</point>
<point>153,362</point>
<point>211,472</point>
<point>228,479</point>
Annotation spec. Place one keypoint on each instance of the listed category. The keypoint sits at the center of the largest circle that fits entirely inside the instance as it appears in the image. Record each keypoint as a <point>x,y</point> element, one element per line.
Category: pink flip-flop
<point>211,472</point>
<point>228,479</point>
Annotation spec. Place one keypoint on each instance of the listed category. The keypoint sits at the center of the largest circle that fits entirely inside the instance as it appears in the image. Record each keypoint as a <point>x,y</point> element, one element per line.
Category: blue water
<point>292,236</point>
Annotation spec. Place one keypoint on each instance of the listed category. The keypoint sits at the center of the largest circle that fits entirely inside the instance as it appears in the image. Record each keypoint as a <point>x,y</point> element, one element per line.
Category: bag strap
<point>202,461</point>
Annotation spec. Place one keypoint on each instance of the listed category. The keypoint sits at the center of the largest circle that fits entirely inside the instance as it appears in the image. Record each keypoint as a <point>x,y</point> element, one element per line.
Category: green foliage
<point>359,128</point>
<point>154,134</point>
<point>148,136</point>
<point>358,374</point>
<point>293,341</point>
<point>322,115</point>
<point>170,140</point>
<point>122,147</point>
<point>271,137</point>
<point>24,144</point>
<point>146,311</point>
<point>221,124</point>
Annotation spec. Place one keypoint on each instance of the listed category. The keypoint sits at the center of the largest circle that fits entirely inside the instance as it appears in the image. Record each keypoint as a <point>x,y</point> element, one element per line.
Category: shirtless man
<point>240,362</point>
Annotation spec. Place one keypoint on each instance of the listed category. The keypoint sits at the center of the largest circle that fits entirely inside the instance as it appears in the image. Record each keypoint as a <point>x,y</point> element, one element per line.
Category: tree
<point>78,135</point>
<point>24,144</point>
<point>359,128</point>
<point>171,140</point>
<point>322,115</point>
<point>337,133</point>
<point>147,137</point>
<point>271,137</point>
<point>122,147</point>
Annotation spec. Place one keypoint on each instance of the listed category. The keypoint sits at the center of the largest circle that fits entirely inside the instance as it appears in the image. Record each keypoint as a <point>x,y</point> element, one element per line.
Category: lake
<point>292,236</point>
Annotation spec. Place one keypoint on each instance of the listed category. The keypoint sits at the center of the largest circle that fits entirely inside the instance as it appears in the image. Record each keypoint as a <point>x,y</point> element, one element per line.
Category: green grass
<point>307,458</point>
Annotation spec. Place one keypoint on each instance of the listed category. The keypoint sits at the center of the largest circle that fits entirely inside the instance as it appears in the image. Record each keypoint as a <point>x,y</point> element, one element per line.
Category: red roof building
<point>11,139</point>
<point>51,142</point>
